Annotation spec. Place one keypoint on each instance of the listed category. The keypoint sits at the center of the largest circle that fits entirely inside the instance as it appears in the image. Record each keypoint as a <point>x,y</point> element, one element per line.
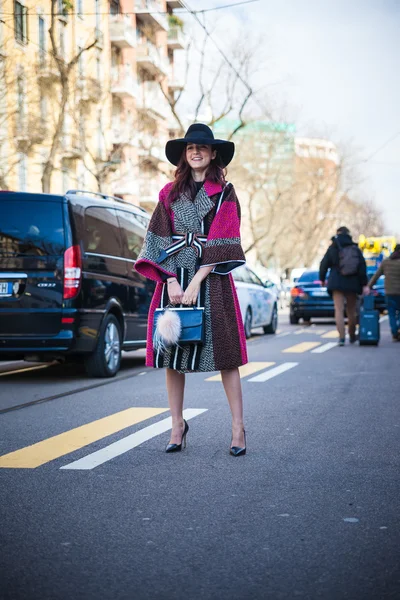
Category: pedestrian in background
<point>347,280</point>
<point>191,248</point>
<point>390,268</point>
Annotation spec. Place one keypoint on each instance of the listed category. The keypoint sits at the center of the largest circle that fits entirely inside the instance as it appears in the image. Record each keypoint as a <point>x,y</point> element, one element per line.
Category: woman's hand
<point>191,293</point>
<point>175,292</point>
<point>193,289</point>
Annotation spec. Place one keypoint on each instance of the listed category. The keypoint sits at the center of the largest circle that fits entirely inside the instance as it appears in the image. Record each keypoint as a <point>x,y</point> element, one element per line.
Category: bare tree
<point>292,206</point>
<point>20,129</point>
<point>65,69</point>
<point>217,89</point>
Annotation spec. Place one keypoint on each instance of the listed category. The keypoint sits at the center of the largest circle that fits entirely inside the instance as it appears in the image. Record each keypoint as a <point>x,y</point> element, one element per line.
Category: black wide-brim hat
<point>199,134</point>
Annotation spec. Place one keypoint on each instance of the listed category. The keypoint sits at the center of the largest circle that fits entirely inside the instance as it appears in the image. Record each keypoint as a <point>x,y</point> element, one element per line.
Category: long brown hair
<point>184,182</point>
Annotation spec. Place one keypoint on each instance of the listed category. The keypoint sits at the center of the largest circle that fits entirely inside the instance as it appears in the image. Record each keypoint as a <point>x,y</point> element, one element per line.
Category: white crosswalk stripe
<point>324,348</point>
<point>273,372</point>
<point>128,443</point>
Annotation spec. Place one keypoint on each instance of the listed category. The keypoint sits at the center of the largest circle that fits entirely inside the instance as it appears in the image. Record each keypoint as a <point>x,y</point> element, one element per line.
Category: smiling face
<point>199,156</point>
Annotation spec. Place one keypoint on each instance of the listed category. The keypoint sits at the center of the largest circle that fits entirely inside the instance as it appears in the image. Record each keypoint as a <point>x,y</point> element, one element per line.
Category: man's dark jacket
<point>337,281</point>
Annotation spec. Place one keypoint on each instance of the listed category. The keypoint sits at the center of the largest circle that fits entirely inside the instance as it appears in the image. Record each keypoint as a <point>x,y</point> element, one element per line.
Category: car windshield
<point>309,277</point>
<point>31,228</point>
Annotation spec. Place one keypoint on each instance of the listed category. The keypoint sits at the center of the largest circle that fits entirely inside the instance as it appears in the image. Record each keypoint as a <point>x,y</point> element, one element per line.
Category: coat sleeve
<point>326,263</point>
<point>158,238</point>
<point>362,269</point>
<point>376,275</point>
<point>223,247</point>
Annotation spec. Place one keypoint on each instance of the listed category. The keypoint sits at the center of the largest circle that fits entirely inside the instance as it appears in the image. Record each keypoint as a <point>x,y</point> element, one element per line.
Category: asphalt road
<point>92,508</point>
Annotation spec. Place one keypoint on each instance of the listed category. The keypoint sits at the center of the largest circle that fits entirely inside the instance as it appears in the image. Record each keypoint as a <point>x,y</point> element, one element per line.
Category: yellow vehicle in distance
<point>375,249</point>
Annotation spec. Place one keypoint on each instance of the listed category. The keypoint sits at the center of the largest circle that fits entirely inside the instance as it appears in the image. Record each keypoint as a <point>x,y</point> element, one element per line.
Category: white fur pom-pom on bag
<point>168,330</point>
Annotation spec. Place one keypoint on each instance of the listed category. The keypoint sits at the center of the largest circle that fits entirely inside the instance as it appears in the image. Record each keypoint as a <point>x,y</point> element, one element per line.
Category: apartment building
<point>84,95</point>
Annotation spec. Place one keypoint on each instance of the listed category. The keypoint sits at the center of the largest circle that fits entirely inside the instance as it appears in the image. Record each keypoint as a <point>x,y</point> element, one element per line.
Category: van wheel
<point>248,320</point>
<point>272,327</point>
<point>294,320</point>
<point>106,359</point>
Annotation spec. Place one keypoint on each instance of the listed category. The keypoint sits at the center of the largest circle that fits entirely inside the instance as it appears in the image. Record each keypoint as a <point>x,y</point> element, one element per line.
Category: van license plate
<point>5,288</point>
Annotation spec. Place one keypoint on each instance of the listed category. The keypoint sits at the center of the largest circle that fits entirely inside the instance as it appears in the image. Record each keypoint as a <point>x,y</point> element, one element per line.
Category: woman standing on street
<point>191,247</point>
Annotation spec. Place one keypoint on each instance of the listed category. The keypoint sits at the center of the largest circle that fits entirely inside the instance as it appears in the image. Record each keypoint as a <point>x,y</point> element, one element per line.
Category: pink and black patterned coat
<point>182,236</point>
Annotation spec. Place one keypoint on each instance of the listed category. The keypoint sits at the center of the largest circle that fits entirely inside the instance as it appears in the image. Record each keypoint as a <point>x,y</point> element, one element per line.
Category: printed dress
<point>182,236</point>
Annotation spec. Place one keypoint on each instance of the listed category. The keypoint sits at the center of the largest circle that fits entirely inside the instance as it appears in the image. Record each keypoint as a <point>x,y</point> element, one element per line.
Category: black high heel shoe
<point>178,447</point>
<point>236,450</point>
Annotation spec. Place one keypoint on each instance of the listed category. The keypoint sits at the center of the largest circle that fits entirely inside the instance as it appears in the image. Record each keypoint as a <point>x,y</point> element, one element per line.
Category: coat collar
<point>189,214</point>
<point>212,188</point>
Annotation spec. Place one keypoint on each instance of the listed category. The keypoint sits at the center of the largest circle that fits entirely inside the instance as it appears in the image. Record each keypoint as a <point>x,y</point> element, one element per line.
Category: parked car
<point>273,288</point>
<point>378,291</point>
<point>309,299</point>
<point>258,304</point>
<point>67,286</point>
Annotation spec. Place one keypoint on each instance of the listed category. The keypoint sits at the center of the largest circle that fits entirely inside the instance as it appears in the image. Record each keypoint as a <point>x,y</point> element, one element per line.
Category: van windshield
<point>31,228</point>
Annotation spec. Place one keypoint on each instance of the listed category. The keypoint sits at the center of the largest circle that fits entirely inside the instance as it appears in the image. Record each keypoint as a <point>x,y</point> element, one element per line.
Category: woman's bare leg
<point>175,390</point>
<point>233,391</point>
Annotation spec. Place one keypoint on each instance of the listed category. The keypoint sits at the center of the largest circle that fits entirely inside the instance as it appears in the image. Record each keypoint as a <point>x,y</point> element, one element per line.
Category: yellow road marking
<point>38,454</point>
<point>249,369</point>
<point>331,334</point>
<point>27,369</point>
<point>303,347</point>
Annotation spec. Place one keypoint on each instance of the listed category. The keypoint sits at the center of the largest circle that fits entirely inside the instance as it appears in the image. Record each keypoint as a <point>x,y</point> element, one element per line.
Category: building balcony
<point>88,89</point>
<point>124,86</point>
<point>126,185</point>
<point>71,147</point>
<point>151,13</point>
<point>149,58</point>
<point>122,136</point>
<point>175,83</point>
<point>176,39</point>
<point>152,101</point>
<point>175,4</point>
<point>151,150</point>
<point>122,34</point>
<point>46,67</point>
<point>29,130</point>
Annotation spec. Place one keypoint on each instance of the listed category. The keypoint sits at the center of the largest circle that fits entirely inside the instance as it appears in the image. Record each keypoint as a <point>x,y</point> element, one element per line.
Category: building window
<point>97,13</point>
<point>43,108</point>
<point>20,100</point>
<point>65,180</point>
<point>99,138</point>
<point>114,7</point>
<point>20,22</point>
<point>62,38</point>
<point>42,40</point>
<point>79,7</point>
<point>81,177</point>
<point>98,64</point>
<point>62,10</point>
<point>22,172</point>
<point>80,61</point>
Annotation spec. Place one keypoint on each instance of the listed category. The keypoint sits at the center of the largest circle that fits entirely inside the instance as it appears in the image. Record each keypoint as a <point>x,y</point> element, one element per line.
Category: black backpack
<point>349,259</point>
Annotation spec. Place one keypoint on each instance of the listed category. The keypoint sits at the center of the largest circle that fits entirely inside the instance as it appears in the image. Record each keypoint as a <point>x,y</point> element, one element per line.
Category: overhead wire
<point>131,13</point>
<point>392,137</point>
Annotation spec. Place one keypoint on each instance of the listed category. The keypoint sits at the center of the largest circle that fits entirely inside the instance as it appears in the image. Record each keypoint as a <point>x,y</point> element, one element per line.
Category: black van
<point>67,284</point>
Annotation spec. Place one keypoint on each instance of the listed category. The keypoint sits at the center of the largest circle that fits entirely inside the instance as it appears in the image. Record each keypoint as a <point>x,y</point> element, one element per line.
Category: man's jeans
<point>393,304</point>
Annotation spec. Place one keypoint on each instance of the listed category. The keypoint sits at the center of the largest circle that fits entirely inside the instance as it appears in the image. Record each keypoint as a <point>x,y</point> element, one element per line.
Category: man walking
<point>390,268</point>
<point>347,279</point>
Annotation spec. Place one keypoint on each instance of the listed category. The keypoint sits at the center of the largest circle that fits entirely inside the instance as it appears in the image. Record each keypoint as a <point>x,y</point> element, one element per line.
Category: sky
<point>335,68</point>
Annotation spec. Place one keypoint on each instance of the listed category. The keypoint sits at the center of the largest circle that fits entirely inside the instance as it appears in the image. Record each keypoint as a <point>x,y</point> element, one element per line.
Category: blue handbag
<point>192,324</point>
